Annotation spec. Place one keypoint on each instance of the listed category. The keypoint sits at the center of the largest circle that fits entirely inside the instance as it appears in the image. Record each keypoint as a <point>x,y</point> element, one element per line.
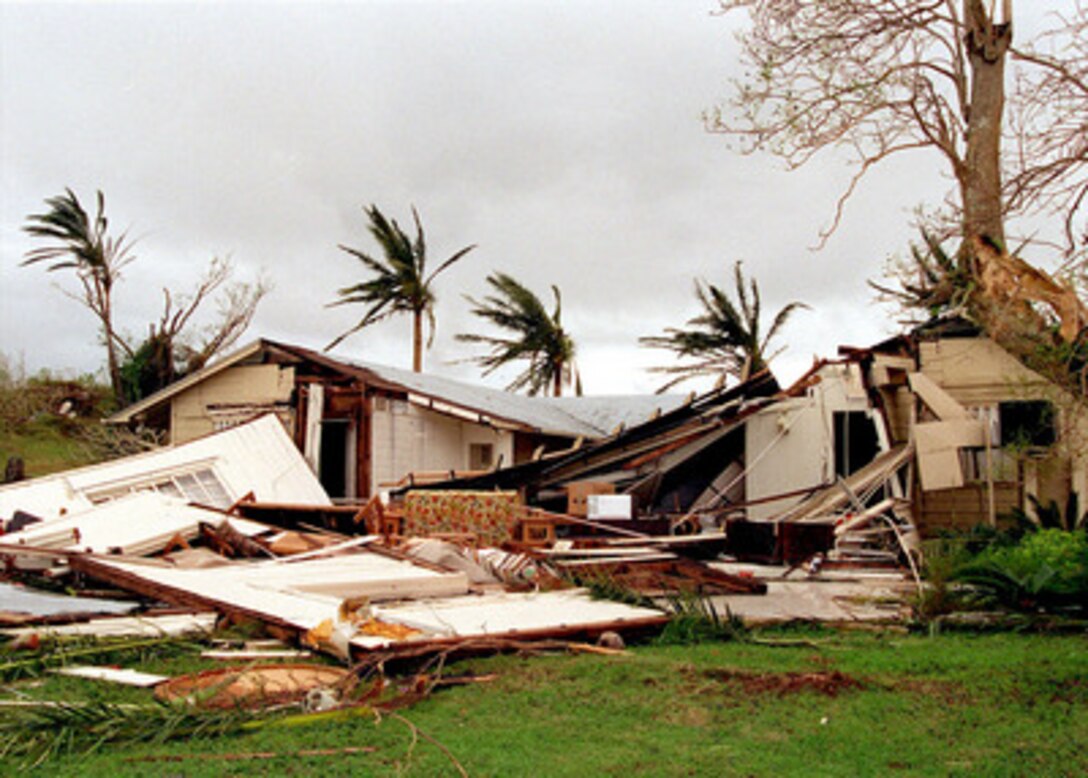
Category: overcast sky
<point>564,138</point>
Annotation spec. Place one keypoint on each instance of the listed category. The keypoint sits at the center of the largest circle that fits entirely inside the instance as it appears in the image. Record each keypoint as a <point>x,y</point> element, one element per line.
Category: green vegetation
<point>1044,569</point>
<point>54,424</point>
<point>835,703</point>
<point>1030,566</point>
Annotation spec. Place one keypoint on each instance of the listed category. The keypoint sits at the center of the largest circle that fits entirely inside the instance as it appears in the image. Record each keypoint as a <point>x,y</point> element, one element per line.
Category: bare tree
<point>83,244</point>
<point>1048,162</point>
<point>883,77</point>
<point>174,347</point>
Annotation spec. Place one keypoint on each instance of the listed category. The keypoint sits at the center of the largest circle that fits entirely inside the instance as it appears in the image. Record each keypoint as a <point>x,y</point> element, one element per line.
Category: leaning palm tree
<point>725,339</point>
<point>398,282</point>
<point>82,244</point>
<point>537,337</point>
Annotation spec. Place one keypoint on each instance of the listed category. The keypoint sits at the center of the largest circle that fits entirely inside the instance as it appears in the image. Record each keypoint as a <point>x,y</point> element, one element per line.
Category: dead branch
<point>418,733</point>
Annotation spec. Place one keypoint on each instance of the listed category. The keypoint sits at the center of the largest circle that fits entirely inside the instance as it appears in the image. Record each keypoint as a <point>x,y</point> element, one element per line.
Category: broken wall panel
<point>138,524</point>
<point>792,444</point>
<point>219,469</point>
<point>938,445</point>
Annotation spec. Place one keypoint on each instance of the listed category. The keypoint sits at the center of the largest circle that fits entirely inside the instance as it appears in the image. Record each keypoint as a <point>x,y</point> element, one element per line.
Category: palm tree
<point>538,337</point>
<point>725,339</point>
<point>398,283</point>
<point>82,244</point>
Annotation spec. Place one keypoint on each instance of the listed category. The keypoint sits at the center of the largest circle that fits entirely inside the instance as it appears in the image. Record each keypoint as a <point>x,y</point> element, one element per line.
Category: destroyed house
<point>365,428</point>
<point>990,434</point>
<point>940,428</point>
<point>750,451</point>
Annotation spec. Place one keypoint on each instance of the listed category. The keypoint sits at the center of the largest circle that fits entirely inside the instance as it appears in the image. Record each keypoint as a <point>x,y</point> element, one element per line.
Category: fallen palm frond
<point>42,733</point>
<point>57,653</point>
<point>48,730</point>
<point>602,585</point>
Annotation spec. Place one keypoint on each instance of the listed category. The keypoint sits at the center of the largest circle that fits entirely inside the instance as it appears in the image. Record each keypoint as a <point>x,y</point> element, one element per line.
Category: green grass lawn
<point>852,704</point>
<point>44,449</point>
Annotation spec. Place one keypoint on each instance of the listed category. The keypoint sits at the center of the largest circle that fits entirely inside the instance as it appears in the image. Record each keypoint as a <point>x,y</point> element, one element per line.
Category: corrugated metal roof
<point>607,412</point>
<point>593,416</point>
<point>570,416</point>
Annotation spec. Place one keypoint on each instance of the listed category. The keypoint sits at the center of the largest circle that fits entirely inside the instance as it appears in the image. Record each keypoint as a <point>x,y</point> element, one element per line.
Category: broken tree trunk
<point>987,44</point>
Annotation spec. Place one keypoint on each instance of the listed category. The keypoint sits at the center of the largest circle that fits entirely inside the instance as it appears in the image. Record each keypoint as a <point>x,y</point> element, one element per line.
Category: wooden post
<point>991,506</point>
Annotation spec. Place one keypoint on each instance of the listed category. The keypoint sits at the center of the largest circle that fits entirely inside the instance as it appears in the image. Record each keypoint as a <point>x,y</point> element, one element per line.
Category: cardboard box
<point>579,491</point>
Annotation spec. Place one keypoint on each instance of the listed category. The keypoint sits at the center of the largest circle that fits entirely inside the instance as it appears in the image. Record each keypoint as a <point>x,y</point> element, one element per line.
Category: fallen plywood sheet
<point>294,595</point>
<point>940,402</point>
<point>168,625</point>
<point>121,675</point>
<point>511,614</point>
<point>279,594</point>
<point>939,444</point>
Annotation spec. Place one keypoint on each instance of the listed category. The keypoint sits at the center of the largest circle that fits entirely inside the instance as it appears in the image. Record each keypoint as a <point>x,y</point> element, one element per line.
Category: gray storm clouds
<point>563,138</point>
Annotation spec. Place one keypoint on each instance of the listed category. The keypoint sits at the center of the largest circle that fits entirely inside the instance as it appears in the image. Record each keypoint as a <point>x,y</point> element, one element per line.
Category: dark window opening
<point>1027,423</point>
<point>333,467</point>
<point>856,443</point>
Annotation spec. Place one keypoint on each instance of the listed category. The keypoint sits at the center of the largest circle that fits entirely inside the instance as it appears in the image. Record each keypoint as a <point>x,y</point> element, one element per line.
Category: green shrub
<point>1046,569</point>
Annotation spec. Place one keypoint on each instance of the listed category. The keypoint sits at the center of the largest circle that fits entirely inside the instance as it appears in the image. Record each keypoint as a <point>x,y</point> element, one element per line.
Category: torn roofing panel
<point>217,470</point>
<point>569,417</point>
<point>137,524</point>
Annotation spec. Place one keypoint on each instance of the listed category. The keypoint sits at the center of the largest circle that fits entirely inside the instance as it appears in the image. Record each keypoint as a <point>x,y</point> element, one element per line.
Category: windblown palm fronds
<point>725,339</point>
<point>398,281</point>
<point>83,244</point>
<point>933,282</point>
<point>537,337</point>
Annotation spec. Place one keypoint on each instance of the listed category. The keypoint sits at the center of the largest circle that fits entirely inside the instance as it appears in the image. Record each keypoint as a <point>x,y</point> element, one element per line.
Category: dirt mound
<point>828,683</point>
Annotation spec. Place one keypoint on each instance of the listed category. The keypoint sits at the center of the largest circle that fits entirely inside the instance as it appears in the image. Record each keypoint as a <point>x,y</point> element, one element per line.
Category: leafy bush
<point>943,557</point>
<point>1049,516</point>
<point>1046,569</point>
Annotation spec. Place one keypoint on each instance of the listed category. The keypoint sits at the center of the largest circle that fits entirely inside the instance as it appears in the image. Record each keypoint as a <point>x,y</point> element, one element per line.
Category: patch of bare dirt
<point>830,683</point>
<point>948,692</point>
